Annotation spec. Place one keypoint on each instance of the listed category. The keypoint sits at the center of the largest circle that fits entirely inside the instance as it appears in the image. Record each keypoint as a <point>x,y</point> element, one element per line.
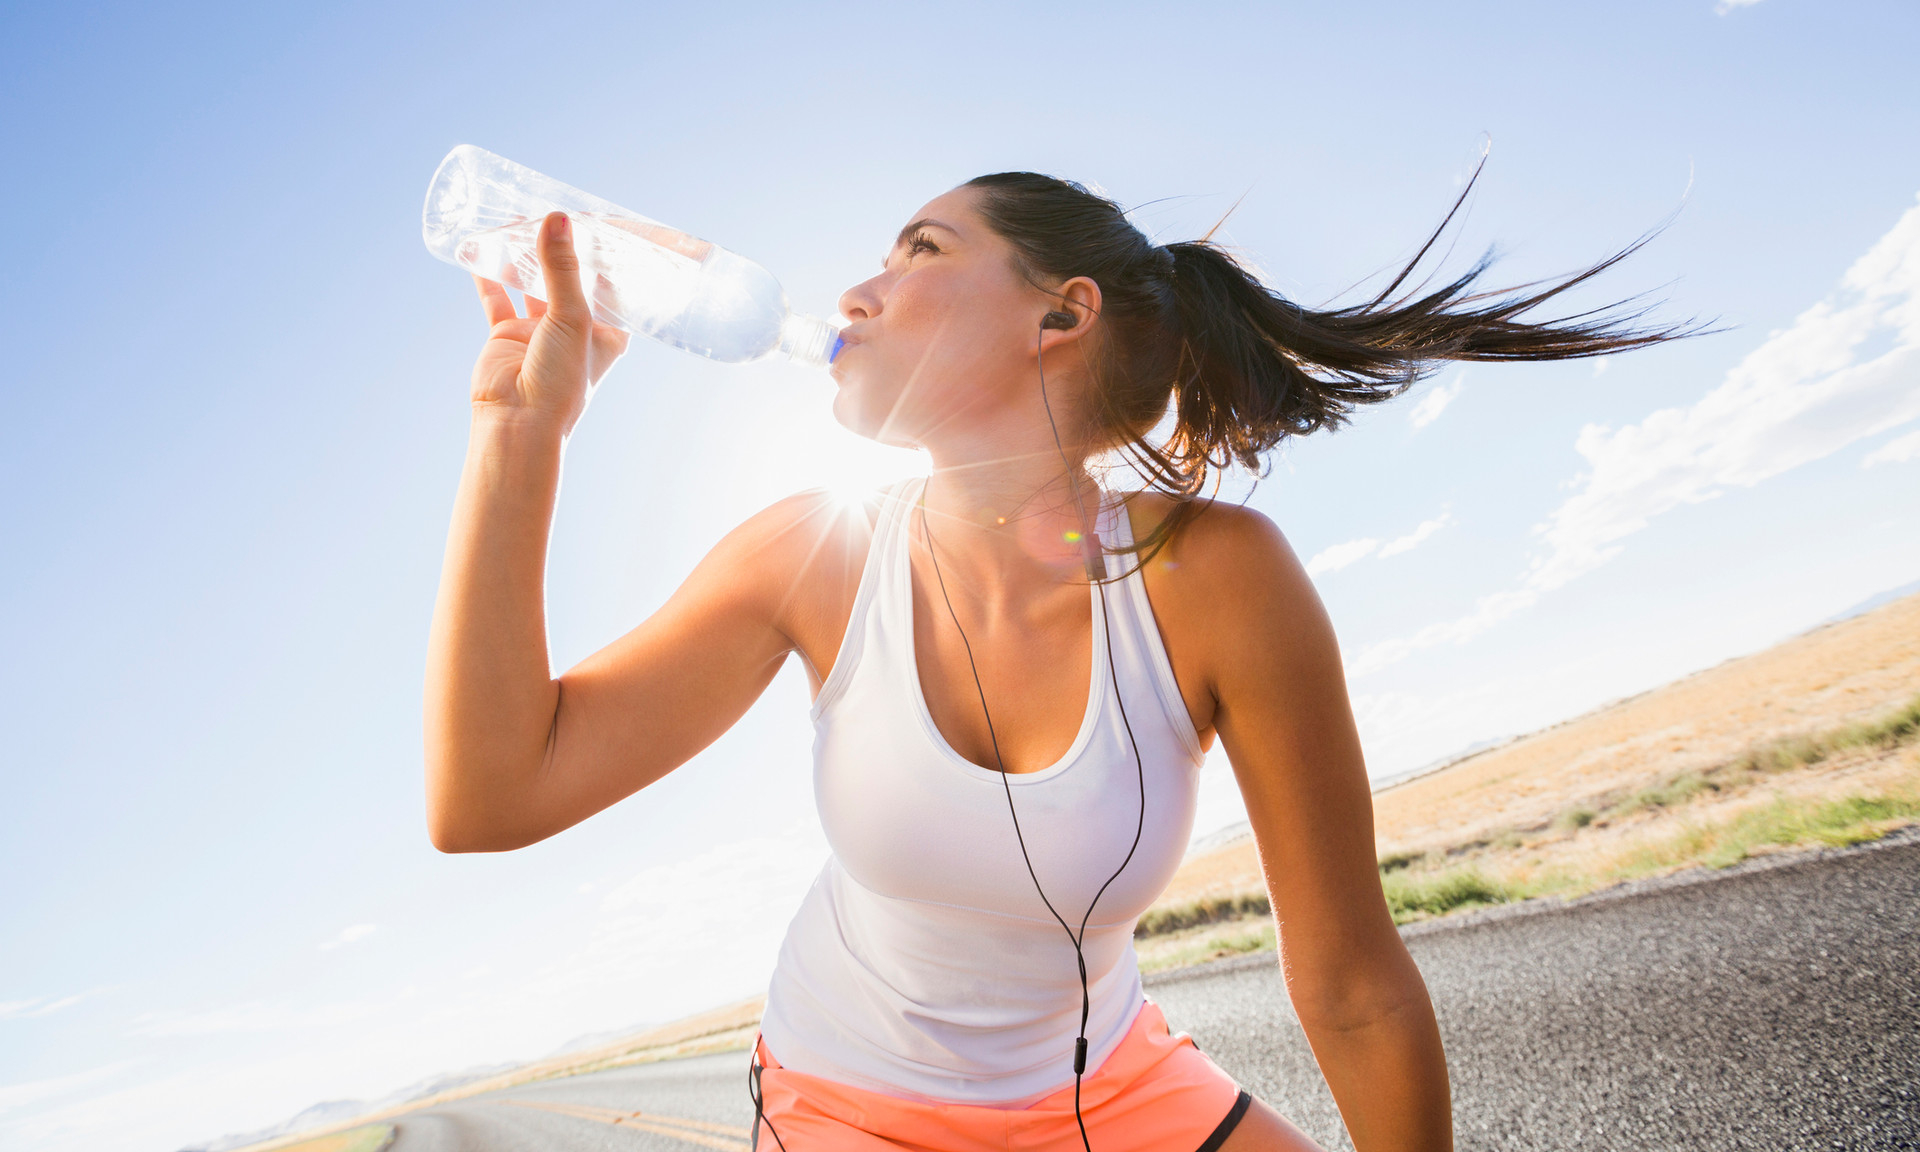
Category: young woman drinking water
<point>1016,670</point>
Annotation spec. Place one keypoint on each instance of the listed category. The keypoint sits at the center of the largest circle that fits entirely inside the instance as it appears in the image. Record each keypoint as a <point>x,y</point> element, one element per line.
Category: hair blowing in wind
<point>1245,367</point>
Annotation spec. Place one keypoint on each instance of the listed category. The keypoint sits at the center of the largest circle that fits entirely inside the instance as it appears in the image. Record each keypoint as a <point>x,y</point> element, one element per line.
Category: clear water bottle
<point>483,214</point>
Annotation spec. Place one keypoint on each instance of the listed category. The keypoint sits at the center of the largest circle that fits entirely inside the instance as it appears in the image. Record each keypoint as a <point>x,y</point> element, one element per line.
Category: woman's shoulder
<point>815,540</point>
<point>1213,539</point>
<point>795,533</point>
<point>1225,567</point>
<point>839,513</point>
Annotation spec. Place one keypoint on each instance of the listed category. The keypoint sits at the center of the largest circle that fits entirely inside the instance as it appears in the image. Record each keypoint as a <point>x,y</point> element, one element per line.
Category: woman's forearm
<point>1388,1071</point>
<point>490,692</point>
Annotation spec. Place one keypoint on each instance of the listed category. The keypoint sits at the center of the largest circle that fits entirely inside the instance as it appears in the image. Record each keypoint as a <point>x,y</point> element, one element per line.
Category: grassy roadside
<point>1845,785</point>
<point>369,1138</point>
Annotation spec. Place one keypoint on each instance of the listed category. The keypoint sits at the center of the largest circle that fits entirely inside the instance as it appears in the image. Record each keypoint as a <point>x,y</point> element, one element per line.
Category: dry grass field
<point>367,1138</point>
<point>1811,741</point>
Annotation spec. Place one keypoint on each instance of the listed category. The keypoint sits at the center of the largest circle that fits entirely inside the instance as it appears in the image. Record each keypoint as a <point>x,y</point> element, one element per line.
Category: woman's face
<point>941,339</point>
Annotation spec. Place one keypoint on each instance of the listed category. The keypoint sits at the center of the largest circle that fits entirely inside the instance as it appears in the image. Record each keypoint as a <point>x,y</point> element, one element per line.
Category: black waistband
<point>1227,1126</point>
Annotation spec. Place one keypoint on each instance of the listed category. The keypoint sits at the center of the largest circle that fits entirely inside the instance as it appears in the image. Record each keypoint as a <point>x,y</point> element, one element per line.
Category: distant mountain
<point>598,1039</point>
<point>1218,838</point>
<point>320,1115</point>
<point>1446,761</point>
<point>443,1082</point>
<point>1869,604</point>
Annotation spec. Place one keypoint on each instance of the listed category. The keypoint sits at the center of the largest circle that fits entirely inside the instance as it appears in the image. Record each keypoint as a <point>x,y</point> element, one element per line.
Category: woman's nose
<point>861,301</point>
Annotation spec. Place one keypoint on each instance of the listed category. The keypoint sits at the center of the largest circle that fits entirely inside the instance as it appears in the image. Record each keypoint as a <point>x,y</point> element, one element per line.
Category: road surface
<point>1773,1007</point>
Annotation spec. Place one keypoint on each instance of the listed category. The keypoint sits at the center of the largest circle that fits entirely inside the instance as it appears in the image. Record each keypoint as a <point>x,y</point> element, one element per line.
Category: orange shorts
<point>1155,1093</point>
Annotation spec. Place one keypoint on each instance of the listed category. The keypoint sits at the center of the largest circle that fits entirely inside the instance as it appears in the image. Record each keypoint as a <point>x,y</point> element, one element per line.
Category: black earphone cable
<point>754,1070</point>
<point>1094,559</point>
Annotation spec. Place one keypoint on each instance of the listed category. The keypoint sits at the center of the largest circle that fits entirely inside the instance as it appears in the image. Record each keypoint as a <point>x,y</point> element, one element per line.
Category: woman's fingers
<point>560,266</point>
<point>609,343</point>
<point>494,301</point>
<point>536,307</point>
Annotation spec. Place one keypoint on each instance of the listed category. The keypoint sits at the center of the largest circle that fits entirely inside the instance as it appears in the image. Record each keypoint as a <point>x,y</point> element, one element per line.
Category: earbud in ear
<point>1061,320</point>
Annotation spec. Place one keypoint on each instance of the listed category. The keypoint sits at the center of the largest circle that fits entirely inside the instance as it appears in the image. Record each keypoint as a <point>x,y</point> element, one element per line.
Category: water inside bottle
<point>483,213</point>
<point>637,276</point>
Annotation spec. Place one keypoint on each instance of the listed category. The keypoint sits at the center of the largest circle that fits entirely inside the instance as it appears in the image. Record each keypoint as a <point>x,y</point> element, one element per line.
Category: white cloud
<point>1340,555</point>
<point>1801,395</point>
<point>1416,537</point>
<point>1435,402</point>
<point>1600,365</point>
<point>1896,451</point>
<point>349,935</point>
<point>39,1006</point>
<point>1726,6</point>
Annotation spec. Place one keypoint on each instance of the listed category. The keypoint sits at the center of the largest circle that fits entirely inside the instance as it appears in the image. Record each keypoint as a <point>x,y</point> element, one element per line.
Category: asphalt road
<point>1773,1007</point>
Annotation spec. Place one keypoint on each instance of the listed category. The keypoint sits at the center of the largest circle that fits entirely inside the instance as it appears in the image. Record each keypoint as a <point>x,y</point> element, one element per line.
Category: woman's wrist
<point>515,450</point>
<point>514,422</point>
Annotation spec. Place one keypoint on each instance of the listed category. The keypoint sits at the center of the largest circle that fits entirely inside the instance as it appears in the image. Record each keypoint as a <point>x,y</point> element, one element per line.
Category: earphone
<point>1095,561</point>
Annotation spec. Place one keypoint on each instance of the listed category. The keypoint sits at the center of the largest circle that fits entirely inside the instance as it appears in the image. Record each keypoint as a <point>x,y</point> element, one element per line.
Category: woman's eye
<point>918,245</point>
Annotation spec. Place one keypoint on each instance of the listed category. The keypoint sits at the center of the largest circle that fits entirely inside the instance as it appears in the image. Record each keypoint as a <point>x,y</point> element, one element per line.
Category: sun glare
<point>851,469</point>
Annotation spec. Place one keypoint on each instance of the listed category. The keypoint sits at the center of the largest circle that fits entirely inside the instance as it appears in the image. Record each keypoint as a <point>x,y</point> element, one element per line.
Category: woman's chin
<point>846,411</point>
<point>863,419</point>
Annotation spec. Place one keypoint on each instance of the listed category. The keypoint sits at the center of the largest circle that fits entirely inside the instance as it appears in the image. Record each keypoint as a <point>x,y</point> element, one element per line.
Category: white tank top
<point>922,963</point>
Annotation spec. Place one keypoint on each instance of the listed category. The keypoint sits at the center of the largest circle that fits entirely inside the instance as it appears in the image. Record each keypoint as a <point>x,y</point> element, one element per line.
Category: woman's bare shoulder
<point>798,563</point>
<point>1217,545</point>
<point>1227,574</point>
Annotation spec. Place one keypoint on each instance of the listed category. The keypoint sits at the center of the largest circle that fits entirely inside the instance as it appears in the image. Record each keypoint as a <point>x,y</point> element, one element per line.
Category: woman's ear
<point>1076,307</point>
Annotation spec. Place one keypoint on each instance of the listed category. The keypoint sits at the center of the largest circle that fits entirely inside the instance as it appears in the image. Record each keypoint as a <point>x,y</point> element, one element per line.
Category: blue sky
<point>235,391</point>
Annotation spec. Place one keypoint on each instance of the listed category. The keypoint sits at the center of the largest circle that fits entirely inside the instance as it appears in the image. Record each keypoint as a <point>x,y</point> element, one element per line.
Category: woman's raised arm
<point>513,753</point>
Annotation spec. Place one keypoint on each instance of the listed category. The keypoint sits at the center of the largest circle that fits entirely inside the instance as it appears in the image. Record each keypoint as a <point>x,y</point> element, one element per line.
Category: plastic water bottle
<point>483,214</point>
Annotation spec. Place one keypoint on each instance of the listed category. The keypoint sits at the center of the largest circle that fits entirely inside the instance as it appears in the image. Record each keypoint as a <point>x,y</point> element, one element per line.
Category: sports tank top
<point>922,962</point>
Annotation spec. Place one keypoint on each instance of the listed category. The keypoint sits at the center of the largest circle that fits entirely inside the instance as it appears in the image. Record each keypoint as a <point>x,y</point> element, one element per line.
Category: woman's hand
<point>546,363</point>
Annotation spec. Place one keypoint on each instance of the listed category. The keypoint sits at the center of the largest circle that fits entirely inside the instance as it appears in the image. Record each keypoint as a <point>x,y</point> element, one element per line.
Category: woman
<point>1016,672</point>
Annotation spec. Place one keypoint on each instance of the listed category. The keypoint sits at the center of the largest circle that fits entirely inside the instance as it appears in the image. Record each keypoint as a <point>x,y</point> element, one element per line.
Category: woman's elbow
<point>455,838</point>
<point>1361,996</point>
<point>457,828</point>
<point>450,837</point>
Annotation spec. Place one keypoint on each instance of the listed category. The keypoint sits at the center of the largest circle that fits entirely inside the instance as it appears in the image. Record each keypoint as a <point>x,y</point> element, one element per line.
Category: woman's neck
<point>1010,521</point>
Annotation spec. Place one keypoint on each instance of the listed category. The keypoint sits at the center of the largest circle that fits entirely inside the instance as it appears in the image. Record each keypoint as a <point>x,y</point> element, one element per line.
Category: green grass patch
<point>1194,913</point>
<point>1232,940</point>
<point>1414,895</point>
<point>1574,818</point>
<point>371,1138</point>
<point>1785,823</point>
<point>1395,861</point>
<point>1786,754</point>
<point>1889,731</point>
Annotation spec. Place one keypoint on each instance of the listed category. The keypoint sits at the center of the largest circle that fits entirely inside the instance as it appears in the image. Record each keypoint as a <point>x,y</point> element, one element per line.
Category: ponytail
<point>1247,367</point>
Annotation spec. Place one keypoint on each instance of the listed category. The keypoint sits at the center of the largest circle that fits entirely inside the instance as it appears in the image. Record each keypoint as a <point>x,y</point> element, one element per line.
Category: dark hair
<point>1244,366</point>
